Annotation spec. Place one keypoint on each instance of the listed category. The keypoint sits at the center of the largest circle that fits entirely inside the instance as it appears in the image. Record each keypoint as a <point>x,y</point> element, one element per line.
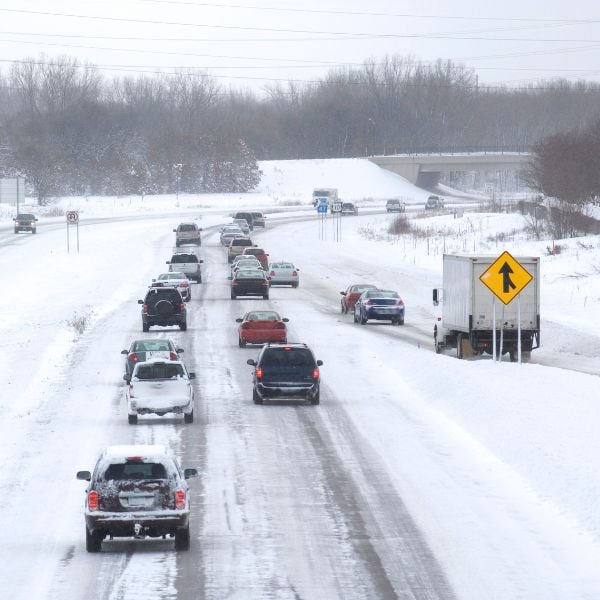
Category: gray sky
<point>249,43</point>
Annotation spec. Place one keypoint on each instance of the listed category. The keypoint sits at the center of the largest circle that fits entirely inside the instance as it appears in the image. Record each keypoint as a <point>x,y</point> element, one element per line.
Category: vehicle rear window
<point>254,274</point>
<point>380,294</point>
<point>186,227</point>
<point>25,217</point>
<point>263,316</point>
<point>282,266</point>
<point>241,242</point>
<point>159,371</point>
<point>292,357</point>
<point>151,346</point>
<point>165,293</point>
<point>361,288</point>
<point>184,258</point>
<point>253,251</point>
<point>135,470</point>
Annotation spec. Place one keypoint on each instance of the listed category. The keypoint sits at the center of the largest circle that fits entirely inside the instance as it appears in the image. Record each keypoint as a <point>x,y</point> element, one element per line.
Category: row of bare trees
<point>69,130</point>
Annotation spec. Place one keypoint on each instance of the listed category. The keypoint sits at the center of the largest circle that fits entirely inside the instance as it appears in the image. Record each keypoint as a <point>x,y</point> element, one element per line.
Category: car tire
<point>188,417</point>
<point>132,419</point>
<point>93,541</point>
<point>317,399</point>
<point>199,279</point>
<point>183,326</point>
<point>241,343</point>
<point>33,231</point>
<point>355,319</point>
<point>182,539</point>
<point>363,320</point>
<point>145,327</point>
<point>189,296</point>
<point>295,285</point>
<point>401,321</point>
<point>177,244</point>
<point>265,296</point>
<point>233,296</point>
<point>256,398</point>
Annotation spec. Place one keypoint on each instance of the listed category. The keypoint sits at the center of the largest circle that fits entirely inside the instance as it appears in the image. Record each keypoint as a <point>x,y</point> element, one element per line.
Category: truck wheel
<point>182,539</point>
<point>317,399</point>
<point>188,418</point>
<point>132,419</point>
<point>183,326</point>
<point>256,398</point>
<point>93,541</point>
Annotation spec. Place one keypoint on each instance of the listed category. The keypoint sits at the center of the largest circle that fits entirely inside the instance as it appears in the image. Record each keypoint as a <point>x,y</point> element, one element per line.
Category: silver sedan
<point>228,233</point>
<point>284,273</point>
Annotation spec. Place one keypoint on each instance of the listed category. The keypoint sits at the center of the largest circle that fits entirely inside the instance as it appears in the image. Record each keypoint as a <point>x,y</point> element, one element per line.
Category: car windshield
<point>135,470</point>
<point>184,258</point>
<point>25,216</point>
<point>265,315</point>
<point>158,371</point>
<point>151,346</point>
<point>287,357</point>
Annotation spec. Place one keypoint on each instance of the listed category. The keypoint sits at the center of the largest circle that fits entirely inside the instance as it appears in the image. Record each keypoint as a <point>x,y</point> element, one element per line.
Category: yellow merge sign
<point>506,277</point>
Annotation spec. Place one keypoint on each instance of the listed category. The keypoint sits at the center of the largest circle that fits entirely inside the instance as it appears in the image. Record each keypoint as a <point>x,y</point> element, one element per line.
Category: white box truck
<point>325,196</point>
<point>467,307</point>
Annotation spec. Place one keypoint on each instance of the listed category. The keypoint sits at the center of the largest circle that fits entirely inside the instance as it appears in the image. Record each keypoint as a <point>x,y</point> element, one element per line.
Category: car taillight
<point>259,373</point>
<point>185,284</point>
<point>133,357</point>
<point>180,499</point>
<point>93,500</point>
<point>279,325</point>
<point>369,302</point>
<point>294,273</point>
<point>400,303</point>
<point>265,282</point>
<point>145,308</point>
<point>182,307</point>
<point>272,273</point>
<point>172,355</point>
<point>315,373</point>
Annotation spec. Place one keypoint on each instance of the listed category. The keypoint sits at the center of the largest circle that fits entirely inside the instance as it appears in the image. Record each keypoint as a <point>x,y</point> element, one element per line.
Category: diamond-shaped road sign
<point>506,277</point>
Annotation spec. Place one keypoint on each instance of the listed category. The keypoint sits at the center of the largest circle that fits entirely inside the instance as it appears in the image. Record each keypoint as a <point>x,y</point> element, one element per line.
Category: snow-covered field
<point>495,462</point>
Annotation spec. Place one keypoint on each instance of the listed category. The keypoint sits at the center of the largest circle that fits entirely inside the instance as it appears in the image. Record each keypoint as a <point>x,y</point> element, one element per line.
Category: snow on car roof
<point>144,450</point>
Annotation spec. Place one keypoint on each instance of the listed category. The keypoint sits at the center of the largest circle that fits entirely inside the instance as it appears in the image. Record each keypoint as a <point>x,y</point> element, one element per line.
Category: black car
<point>25,222</point>
<point>143,350</point>
<point>249,282</point>
<point>348,208</point>
<point>137,491</point>
<point>163,306</point>
<point>246,215</point>
<point>286,371</point>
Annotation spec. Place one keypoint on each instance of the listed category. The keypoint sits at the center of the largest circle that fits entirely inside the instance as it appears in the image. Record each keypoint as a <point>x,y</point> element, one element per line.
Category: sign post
<point>336,211</point>
<point>322,211</point>
<point>506,278</point>
<point>72,219</point>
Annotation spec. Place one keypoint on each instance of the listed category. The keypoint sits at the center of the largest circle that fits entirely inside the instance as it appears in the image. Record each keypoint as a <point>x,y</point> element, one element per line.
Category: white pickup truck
<point>160,387</point>
<point>188,263</point>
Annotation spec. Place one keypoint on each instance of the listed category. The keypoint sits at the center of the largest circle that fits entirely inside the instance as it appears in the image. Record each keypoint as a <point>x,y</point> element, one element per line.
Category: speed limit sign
<point>72,216</point>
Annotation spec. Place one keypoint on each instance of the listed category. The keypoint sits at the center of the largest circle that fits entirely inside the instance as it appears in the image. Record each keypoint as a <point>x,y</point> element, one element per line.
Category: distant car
<point>249,282</point>
<point>284,273</point>
<point>187,263</point>
<point>237,246</point>
<point>258,219</point>
<point>25,222</point>
<point>176,280</point>
<point>247,216</point>
<point>187,233</point>
<point>137,491</point>
<point>245,262</point>
<point>243,225</point>
<point>259,254</point>
<point>147,349</point>
<point>348,208</point>
<point>286,371</point>
<point>229,232</point>
<point>434,202</point>
<point>351,295</point>
<point>381,305</point>
<point>159,387</point>
<point>260,327</point>
<point>394,205</point>
<point>163,306</point>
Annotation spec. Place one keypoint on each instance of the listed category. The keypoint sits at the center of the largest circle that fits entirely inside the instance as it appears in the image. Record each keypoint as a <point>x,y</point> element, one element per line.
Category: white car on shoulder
<point>284,273</point>
<point>177,280</point>
<point>160,387</point>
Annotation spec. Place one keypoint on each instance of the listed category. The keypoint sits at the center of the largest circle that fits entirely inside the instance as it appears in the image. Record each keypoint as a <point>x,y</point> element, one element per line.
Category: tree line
<point>70,130</point>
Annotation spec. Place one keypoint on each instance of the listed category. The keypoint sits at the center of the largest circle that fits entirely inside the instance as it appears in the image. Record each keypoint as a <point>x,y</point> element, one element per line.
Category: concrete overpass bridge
<point>424,168</point>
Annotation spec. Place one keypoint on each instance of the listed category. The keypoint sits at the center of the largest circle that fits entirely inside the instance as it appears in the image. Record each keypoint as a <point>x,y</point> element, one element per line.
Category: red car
<point>260,327</point>
<point>352,294</point>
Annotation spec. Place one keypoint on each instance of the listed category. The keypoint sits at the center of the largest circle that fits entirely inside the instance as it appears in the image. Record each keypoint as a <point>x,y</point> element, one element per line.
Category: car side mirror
<point>140,302</point>
<point>179,350</point>
<point>174,230</point>
<point>188,473</point>
<point>239,320</point>
<point>342,293</point>
<point>251,362</point>
<point>436,299</point>
<point>319,363</point>
<point>154,280</point>
<point>269,278</point>
<point>127,378</point>
<point>191,375</point>
<point>167,262</point>
<point>84,475</point>
<point>200,261</point>
<point>285,320</point>
<point>266,254</point>
<point>124,352</point>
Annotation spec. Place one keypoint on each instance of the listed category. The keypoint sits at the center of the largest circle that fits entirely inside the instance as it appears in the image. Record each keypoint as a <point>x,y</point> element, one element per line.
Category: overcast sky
<point>249,43</point>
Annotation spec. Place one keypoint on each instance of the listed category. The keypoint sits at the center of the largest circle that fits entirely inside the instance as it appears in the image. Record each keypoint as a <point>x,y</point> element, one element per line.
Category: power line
<point>338,34</point>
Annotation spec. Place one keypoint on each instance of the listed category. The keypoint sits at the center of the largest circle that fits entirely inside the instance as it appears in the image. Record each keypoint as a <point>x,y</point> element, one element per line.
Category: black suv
<point>137,491</point>
<point>286,371</point>
<point>25,222</point>
<point>246,215</point>
<point>163,306</point>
